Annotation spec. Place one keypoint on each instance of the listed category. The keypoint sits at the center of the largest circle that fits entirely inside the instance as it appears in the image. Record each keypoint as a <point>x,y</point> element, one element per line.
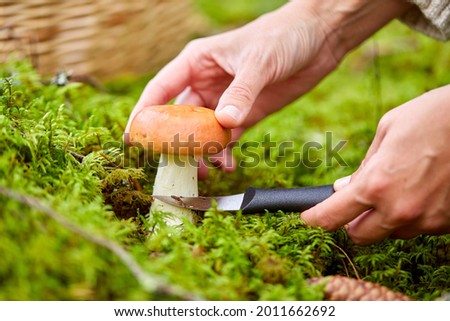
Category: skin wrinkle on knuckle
<point>241,92</point>
<point>362,237</point>
<point>267,56</point>
<point>434,225</point>
<point>355,236</point>
<point>385,123</point>
<point>405,212</point>
<point>193,46</point>
<point>325,221</point>
<point>376,185</point>
<point>196,54</point>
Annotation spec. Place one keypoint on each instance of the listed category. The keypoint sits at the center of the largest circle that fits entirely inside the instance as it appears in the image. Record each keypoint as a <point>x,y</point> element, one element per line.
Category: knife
<point>256,200</point>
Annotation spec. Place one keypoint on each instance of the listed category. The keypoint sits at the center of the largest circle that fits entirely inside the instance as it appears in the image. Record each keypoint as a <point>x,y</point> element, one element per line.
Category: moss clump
<point>62,146</point>
<point>123,192</point>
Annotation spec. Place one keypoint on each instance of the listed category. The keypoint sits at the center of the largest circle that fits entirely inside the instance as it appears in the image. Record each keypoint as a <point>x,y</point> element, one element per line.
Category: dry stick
<point>349,260</point>
<point>345,268</point>
<point>77,156</point>
<point>149,282</point>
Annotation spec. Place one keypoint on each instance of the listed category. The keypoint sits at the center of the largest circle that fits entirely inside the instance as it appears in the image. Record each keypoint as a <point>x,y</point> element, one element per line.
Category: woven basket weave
<point>97,37</point>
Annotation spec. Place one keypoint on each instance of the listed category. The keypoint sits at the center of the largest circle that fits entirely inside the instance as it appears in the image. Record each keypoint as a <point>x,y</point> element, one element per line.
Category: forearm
<point>348,23</point>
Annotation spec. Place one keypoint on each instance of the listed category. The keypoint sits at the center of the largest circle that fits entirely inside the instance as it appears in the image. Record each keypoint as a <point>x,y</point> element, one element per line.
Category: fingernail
<point>230,111</point>
<point>341,182</point>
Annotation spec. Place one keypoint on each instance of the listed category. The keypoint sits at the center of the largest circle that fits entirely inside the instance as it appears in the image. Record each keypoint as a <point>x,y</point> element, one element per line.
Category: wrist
<point>348,23</point>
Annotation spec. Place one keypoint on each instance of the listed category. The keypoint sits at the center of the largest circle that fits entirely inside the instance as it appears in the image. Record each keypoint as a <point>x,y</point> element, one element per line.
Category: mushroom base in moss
<point>177,175</point>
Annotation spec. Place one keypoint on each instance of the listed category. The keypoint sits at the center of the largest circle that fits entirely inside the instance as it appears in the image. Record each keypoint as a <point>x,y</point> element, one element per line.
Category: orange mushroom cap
<point>179,130</point>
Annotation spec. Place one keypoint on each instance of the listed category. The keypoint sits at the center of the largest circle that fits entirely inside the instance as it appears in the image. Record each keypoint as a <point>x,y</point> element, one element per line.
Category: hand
<point>402,189</point>
<point>253,71</point>
<point>247,73</point>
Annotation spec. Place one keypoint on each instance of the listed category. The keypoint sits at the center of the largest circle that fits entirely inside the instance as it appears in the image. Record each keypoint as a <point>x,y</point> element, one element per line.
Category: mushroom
<point>181,134</point>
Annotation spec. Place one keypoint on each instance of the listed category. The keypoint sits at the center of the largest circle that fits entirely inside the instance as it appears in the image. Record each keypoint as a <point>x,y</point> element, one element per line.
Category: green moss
<point>62,146</point>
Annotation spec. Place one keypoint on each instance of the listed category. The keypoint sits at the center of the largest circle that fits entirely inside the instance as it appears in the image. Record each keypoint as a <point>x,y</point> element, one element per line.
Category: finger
<point>370,227</point>
<point>430,225</point>
<point>406,232</point>
<point>339,209</point>
<point>189,97</point>
<point>224,160</point>
<point>203,170</point>
<point>167,84</point>
<point>373,149</point>
<point>341,182</point>
<point>235,103</point>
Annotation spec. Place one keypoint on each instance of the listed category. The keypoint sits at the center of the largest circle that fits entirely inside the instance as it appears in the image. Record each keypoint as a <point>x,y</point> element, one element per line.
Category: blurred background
<point>105,38</point>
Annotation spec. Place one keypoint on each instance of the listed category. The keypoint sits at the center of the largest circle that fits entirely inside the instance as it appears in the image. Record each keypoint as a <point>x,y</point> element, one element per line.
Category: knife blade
<point>255,200</point>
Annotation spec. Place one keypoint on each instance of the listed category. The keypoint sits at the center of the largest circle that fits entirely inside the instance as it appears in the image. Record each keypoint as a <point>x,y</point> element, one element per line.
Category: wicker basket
<point>97,37</point>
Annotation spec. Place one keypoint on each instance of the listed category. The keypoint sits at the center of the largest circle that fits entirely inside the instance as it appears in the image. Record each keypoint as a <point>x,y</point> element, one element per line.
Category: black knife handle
<point>299,199</point>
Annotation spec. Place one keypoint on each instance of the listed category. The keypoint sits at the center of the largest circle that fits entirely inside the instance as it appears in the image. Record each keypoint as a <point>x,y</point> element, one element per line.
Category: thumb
<point>344,181</point>
<point>341,183</point>
<point>237,100</point>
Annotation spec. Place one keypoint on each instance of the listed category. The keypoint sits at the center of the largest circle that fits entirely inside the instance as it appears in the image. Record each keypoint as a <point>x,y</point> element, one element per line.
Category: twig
<point>77,156</point>
<point>349,260</point>
<point>149,282</point>
<point>111,162</point>
<point>136,184</point>
<point>345,268</point>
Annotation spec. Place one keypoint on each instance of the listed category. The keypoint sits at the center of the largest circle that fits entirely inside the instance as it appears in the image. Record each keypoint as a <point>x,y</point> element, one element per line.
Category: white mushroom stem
<point>176,175</point>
